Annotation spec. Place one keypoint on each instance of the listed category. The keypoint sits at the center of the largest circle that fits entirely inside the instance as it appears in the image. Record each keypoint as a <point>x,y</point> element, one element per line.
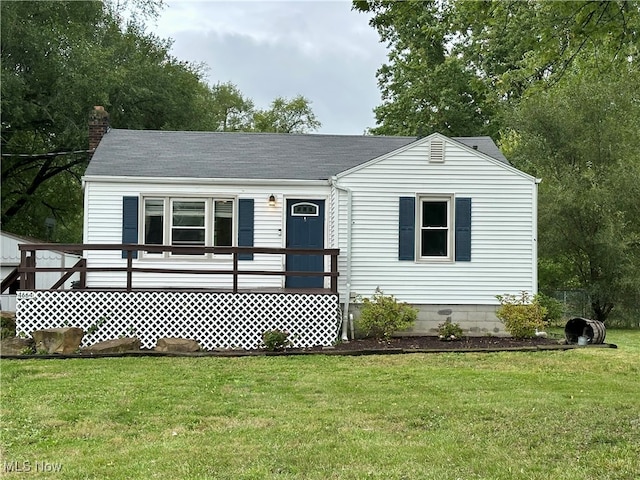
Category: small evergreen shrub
<point>521,314</point>
<point>448,331</point>
<point>276,340</point>
<point>382,315</point>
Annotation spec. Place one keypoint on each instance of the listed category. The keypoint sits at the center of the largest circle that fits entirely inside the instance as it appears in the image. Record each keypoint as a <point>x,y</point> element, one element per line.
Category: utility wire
<point>49,154</point>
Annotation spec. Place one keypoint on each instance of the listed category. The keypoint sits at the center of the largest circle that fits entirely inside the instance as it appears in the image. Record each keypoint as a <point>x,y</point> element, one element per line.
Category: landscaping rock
<point>177,345</point>
<point>118,345</point>
<point>58,340</point>
<point>16,346</point>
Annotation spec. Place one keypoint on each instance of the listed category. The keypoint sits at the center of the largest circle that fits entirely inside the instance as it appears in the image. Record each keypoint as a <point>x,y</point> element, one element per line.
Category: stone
<point>16,346</point>
<point>58,340</point>
<point>117,345</point>
<point>181,345</point>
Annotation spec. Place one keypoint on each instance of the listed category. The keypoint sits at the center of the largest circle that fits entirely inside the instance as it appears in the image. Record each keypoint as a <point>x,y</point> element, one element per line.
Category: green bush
<point>554,308</point>
<point>382,316</point>
<point>521,315</point>
<point>7,327</point>
<point>448,331</point>
<point>276,340</point>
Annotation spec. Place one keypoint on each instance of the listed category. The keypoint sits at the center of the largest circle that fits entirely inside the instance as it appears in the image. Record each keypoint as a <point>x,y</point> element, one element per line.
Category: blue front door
<point>305,229</point>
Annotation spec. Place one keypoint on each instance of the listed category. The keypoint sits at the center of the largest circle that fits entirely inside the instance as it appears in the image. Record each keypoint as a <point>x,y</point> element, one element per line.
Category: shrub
<point>554,308</point>
<point>521,315</point>
<point>7,327</point>
<point>448,331</point>
<point>276,340</point>
<point>382,316</point>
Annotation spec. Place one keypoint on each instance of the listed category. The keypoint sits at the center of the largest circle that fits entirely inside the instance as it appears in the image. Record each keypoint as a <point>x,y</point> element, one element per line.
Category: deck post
<point>334,273</point>
<point>28,278</point>
<point>129,269</point>
<point>83,273</point>
<point>235,271</point>
<point>23,263</point>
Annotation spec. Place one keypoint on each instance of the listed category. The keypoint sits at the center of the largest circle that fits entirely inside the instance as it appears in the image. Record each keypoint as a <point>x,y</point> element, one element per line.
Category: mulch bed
<point>367,346</point>
<point>434,343</point>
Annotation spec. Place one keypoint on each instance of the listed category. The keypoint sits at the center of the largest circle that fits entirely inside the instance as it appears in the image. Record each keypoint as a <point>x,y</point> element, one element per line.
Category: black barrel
<point>594,330</point>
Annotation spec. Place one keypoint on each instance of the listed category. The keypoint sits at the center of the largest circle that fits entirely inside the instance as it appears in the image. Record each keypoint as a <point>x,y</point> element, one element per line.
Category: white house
<point>443,223</point>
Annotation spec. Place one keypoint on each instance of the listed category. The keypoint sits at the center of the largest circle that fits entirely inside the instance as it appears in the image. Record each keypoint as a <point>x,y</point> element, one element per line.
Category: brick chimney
<point>98,126</point>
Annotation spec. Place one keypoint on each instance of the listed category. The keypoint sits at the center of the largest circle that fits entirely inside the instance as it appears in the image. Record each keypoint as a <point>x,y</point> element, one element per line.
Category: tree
<point>454,65</point>
<point>231,110</point>
<point>286,116</point>
<point>58,60</point>
<point>582,139</point>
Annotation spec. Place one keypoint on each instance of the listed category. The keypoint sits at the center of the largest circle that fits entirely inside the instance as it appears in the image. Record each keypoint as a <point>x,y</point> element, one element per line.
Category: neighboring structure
<point>45,258</point>
<point>442,223</point>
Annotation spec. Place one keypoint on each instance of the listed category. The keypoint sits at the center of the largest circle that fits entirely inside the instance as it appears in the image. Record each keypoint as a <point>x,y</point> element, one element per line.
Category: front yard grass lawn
<point>511,415</point>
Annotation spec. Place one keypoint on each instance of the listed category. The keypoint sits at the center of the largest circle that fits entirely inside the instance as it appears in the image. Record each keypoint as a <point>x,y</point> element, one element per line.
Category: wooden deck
<point>28,268</point>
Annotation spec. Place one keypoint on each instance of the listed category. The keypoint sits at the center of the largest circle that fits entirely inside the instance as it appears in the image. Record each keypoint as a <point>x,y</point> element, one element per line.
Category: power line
<point>49,154</point>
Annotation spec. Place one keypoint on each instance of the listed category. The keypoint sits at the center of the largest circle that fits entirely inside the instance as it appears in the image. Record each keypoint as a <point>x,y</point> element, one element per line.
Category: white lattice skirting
<point>215,320</point>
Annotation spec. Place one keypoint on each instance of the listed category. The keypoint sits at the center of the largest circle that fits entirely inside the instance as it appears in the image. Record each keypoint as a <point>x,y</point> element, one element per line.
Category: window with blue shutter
<point>433,228</point>
<point>245,226</point>
<point>407,232</point>
<point>129,222</point>
<point>463,229</point>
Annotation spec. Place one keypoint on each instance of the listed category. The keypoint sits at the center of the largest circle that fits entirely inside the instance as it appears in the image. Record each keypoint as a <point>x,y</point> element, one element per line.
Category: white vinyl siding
<point>503,239</point>
<point>103,224</point>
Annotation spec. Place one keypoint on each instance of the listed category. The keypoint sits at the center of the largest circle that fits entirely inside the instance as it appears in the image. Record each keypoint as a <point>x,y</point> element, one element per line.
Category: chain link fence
<point>576,303</point>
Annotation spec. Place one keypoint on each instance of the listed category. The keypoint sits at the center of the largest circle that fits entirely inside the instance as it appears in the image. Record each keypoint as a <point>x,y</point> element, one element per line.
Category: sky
<point>319,49</point>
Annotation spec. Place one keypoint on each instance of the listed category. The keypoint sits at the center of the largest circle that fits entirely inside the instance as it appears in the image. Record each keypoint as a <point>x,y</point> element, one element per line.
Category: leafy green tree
<point>231,110</point>
<point>286,116</point>
<point>58,60</point>
<point>454,65</point>
<point>582,139</point>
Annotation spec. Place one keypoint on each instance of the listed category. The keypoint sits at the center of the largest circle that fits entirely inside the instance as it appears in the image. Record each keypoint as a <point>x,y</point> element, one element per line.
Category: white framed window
<point>185,221</point>
<point>188,222</point>
<point>153,221</point>
<point>222,223</point>
<point>435,230</point>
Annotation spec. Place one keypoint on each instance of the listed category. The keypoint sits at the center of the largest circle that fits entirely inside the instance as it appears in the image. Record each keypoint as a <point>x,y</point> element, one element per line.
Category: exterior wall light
<point>272,200</point>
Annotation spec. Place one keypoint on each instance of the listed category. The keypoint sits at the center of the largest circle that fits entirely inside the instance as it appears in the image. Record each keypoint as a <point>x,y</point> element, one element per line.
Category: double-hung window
<point>188,221</point>
<point>188,226</point>
<point>435,229</point>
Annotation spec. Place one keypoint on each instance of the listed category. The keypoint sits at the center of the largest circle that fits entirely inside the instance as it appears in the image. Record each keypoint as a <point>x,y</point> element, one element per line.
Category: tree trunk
<point>601,311</point>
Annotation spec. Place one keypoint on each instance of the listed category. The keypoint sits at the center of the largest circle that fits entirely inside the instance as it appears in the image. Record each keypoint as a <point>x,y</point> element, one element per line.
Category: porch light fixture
<point>272,200</point>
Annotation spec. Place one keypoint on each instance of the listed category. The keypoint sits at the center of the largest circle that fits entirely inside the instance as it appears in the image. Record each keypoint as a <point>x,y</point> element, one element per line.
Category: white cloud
<point>313,26</point>
<point>321,50</point>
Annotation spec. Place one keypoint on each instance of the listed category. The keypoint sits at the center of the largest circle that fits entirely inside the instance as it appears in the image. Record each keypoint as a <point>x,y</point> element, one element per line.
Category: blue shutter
<point>245,226</point>
<point>406,234</point>
<point>129,222</point>
<point>463,229</point>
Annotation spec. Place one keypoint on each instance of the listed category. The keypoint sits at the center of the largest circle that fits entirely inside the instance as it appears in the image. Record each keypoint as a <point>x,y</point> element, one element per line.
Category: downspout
<point>345,310</point>
<point>534,287</point>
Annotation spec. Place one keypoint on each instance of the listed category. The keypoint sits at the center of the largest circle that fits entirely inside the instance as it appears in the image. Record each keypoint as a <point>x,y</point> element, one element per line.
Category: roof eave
<point>202,181</point>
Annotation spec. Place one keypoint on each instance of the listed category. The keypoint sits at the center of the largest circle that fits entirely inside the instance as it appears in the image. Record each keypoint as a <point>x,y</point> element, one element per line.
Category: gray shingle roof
<point>149,153</point>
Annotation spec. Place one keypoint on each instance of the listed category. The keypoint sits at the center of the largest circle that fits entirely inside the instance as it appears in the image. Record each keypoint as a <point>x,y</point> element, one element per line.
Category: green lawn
<point>539,415</point>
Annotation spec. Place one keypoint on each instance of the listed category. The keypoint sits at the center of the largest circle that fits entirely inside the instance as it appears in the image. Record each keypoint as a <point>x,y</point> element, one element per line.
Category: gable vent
<point>436,151</point>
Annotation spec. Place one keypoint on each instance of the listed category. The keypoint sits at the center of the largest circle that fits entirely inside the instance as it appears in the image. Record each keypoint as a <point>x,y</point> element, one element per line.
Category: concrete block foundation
<point>475,320</point>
